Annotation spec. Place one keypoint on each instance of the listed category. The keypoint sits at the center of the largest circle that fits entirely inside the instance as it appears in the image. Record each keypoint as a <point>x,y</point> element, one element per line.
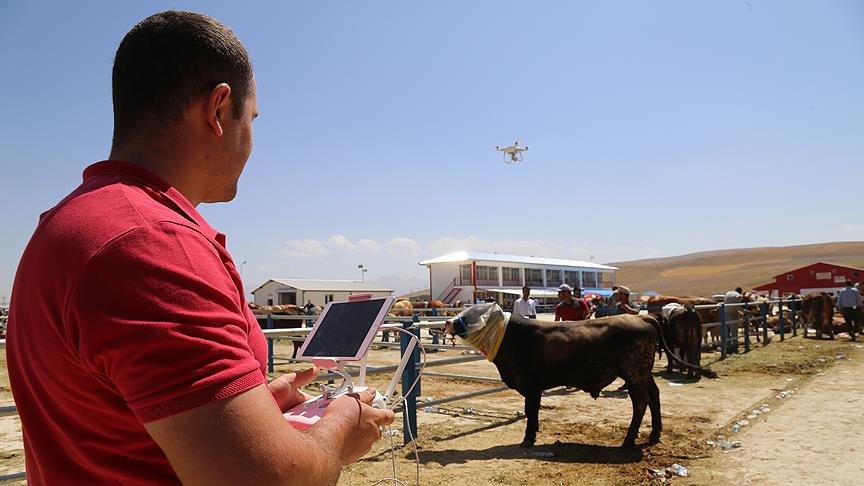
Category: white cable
<point>404,400</point>
<point>362,377</point>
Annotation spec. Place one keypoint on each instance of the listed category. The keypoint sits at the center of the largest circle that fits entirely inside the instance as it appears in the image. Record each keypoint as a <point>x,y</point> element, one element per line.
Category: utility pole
<point>362,272</point>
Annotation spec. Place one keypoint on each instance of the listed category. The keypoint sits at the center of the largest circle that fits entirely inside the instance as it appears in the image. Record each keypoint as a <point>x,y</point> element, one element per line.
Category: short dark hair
<point>739,290</point>
<point>167,61</point>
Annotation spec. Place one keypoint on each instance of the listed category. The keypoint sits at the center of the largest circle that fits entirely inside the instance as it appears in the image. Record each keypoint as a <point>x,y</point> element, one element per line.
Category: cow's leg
<point>654,405</point>
<point>694,355</point>
<point>639,396</point>
<point>532,413</point>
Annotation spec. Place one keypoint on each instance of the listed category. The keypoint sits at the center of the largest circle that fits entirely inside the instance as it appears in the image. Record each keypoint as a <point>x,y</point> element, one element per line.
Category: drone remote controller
<point>309,412</point>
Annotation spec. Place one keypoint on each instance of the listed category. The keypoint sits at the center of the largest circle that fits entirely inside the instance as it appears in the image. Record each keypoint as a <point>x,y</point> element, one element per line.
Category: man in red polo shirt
<point>570,309</point>
<point>132,354</point>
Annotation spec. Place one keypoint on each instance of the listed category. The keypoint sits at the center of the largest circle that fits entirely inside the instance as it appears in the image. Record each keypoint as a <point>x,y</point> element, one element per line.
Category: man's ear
<point>216,107</point>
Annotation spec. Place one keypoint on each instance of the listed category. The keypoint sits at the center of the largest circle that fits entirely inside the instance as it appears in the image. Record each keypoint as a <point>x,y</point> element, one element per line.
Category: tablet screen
<point>343,329</point>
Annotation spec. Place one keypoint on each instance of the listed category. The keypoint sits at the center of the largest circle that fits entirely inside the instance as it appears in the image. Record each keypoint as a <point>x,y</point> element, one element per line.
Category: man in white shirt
<point>849,302</point>
<point>526,306</point>
<point>733,314</point>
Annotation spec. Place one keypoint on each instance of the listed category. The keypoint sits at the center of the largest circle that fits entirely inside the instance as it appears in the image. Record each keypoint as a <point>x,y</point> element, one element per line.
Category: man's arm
<point>245,440</point>
<point>629,310</point>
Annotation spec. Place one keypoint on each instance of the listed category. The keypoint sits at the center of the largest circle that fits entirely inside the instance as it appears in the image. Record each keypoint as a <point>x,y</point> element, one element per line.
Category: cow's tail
<point>702,371</point>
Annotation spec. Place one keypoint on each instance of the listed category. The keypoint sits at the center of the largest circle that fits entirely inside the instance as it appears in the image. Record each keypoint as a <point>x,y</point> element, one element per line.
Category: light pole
<point>362,272</point>
<point>241,272</point>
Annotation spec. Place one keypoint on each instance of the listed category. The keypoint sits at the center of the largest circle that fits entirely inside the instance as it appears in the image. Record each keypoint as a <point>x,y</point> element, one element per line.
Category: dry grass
<point>718,271</point>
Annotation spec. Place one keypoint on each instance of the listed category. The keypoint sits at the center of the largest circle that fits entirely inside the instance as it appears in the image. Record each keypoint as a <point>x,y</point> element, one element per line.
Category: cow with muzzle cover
<point>533,356</point>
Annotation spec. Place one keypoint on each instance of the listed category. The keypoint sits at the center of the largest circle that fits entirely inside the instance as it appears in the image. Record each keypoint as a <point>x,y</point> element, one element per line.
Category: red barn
<point>818,277</point>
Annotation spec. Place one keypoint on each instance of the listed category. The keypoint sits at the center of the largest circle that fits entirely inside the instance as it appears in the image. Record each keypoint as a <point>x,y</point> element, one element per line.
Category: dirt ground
<point>807,436</point>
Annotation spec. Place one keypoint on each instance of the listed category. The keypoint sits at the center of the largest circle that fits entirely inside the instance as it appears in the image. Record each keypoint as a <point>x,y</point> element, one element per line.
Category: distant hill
<point>712,272</point>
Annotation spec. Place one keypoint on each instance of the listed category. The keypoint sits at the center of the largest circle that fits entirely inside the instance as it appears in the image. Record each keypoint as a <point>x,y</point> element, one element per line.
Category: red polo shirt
<point>576,311</point>
<point>126,308</point>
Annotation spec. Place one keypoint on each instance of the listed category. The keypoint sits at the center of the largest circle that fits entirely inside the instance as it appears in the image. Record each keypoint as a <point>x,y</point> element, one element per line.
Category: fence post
<point>746,333</point>
<point>269,344</point>
<point>782,330</point>
<point>409,374</point>
<point>724,331</point>
<point>432,331</point>
<point>793,309</point>
<point>763,309</point>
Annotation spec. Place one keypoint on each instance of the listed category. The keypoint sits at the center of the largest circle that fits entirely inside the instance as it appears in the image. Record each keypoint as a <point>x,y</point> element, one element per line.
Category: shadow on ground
<point>559,453</point>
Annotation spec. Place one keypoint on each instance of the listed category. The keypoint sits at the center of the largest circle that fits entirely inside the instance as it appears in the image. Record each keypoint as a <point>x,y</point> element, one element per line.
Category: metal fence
<point>431,321</point>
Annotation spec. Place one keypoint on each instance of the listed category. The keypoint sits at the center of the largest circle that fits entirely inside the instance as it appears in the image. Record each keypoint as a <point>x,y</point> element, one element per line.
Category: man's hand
<point>361,422</point>
<point>286,389</point>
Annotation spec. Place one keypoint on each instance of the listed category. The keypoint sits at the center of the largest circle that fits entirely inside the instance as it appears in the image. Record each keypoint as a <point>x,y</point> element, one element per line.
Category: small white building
<point>472,276</point>
<point>298,291</point>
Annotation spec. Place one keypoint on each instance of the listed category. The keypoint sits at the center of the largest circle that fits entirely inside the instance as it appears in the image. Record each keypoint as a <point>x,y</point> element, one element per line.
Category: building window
<point>571,278</point>
<point>589,280</point>
<point>328,298</point>
<point>511,277</point>
<point>533,277</point>
<point>553,278</point>
<point>789,277</point>
<point>487,275</point>
<point>269,301</point>
<point>465,274</point>
<point>604,280</point>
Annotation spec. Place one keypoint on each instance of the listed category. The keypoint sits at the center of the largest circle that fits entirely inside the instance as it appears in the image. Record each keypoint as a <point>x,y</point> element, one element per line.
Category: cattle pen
<point>415,324</point>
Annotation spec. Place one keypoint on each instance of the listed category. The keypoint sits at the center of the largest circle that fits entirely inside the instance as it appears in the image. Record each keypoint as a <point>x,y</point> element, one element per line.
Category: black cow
<point>683,333</point>
<point>538,355</point>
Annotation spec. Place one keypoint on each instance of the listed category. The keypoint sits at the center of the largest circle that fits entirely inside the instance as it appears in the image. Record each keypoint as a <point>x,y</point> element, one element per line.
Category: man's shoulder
<point>96,214</point>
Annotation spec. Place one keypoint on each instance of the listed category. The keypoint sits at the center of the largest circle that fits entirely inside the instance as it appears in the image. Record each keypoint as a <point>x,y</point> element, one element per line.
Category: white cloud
<point>402,246</point>
<point>853,227</point>
<point>304,249</point>
<point>339,242</point>
<point>538,248</point>
<point>369,246</point>
<point>340,245</point>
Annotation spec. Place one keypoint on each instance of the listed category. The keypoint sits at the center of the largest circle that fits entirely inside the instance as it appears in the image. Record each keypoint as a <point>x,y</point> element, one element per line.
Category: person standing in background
<point>525,306</point>
<point>850,303</point>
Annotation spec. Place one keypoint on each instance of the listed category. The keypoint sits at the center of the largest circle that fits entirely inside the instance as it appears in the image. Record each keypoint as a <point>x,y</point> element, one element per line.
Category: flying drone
<point>512,153</point>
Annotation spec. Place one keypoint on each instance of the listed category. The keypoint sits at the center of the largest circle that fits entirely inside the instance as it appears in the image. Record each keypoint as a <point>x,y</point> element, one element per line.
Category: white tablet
<point>345,330</point>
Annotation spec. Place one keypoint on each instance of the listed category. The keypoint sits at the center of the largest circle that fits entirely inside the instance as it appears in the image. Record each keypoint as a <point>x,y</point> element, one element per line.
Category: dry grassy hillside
<point>715,271</point>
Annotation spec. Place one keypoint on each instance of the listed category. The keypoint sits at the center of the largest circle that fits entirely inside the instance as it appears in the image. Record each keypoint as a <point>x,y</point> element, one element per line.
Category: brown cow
<point>818,308</point>
<point>437,304</point>
<point>402,308</point>
<point>683,330</point>
<point>656,302</point>
<point>535,355</point>
<point>284,310</point>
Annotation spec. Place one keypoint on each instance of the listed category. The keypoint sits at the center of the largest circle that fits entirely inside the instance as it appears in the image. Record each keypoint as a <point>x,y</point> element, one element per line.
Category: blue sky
<point>655,128</point>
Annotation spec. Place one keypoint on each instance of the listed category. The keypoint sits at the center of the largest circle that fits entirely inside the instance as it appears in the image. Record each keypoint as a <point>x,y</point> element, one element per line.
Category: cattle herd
<point>536,355</point>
